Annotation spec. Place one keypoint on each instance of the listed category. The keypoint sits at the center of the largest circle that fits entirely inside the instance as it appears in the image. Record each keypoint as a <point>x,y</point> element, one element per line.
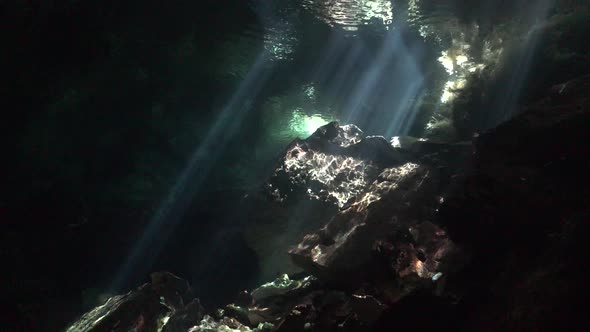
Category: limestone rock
<point>401,200</point>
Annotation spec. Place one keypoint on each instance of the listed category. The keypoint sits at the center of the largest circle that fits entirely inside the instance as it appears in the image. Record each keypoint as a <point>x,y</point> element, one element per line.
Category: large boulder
<point>359,190</point>
<point>334,164</point>
<point>395,215</point>
<point>313,179</point>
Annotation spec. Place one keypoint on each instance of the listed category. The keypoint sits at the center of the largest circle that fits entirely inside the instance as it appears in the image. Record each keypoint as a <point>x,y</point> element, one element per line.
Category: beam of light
<point>407,109</point>
<point>408,96</point>
<point>330,52</point>
<point>150,242</point>
<point>300,220</point>
<point>345,70</point>
<point>368,83</point>
<point>389,88</point>
<point>536,14</point>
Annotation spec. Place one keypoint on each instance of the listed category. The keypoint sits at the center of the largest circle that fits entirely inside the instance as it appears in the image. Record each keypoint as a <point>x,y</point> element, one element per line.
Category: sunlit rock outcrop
<point>280,286</point>
<point>312,180</point>
<point>393,216</point>
<point>333,165</point>
<point>339,168</point>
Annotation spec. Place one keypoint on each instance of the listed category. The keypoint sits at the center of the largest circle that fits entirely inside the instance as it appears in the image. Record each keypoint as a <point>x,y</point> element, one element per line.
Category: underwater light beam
<point>391,86</point>
<point>406,110</point>
<point>364,89</point>
<point>346,70</point>
<point>329,54</point>
<point>149,244</point>
<point>409,95</point>
<point>538,13</point>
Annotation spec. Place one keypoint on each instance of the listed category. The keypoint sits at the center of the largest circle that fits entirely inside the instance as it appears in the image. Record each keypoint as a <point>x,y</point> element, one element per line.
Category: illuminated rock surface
<point>400,200</point>
<point>333,165</point>
<point>157,306</point>
<point>280,286</point>
<point>313,179</point>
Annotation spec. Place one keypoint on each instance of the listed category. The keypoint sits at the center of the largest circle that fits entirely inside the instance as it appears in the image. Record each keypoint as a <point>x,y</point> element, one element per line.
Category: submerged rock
<point>183,319</point>
<point>281,286</point>
<point>359,189</point>
<point>158,306</point>
<point>333,165</point>
<point>139,309</point>
<point>395,212</point>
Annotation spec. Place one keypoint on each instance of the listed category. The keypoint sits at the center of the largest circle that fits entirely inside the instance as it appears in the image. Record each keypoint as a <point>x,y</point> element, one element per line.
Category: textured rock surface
<point>150,307</point>
<point>361,190</point>
<point>386,204</point>
<point>280,286</point>
<point>401,198</point>
<point>314,178</point>
<point>334,164</point>
<point>184,318</point>
<point>335,168</point>
<point>136,310</point>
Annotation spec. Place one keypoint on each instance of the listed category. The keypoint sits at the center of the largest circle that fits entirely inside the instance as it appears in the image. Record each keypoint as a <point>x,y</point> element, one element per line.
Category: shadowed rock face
<point>522,212</point>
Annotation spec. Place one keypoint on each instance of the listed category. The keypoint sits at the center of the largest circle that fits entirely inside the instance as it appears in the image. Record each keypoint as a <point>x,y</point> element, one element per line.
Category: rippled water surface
<point>351,14</point>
